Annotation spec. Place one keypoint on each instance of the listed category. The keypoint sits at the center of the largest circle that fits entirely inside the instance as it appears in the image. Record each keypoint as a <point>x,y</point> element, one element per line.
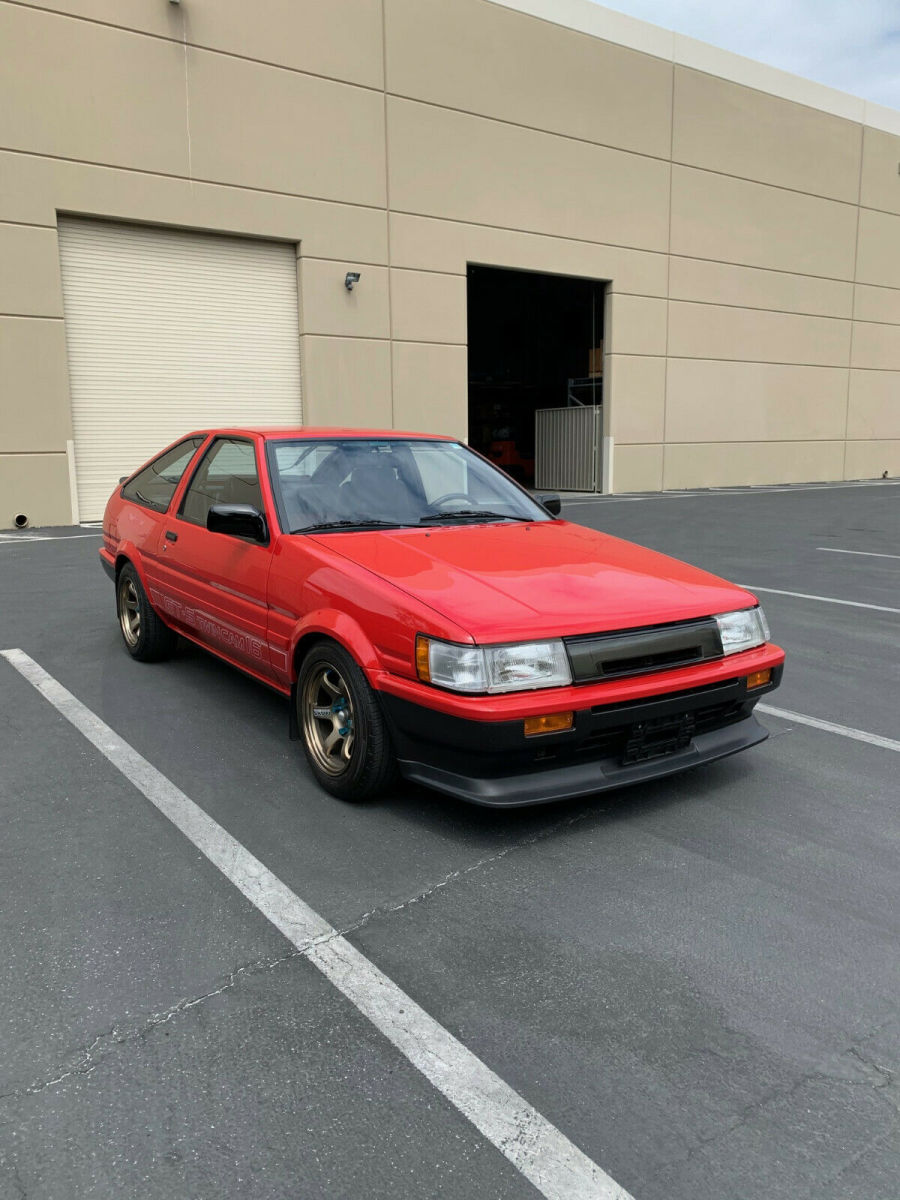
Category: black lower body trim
<point>611,746</point>
<point>584,778</point>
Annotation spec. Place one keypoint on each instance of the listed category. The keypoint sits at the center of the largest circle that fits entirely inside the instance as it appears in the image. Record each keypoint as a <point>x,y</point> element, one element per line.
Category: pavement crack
<point>89,1057</point>
<point>742,1116</point>
<point>884,1073</point>
<point>846,1167</point>
<point>884,1082</point>
<point>880,1079</point>
<point>18,1184</point>
<point>387,909</point>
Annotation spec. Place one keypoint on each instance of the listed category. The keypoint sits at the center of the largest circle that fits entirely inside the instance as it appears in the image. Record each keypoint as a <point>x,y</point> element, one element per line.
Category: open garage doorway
<point>535,343</point>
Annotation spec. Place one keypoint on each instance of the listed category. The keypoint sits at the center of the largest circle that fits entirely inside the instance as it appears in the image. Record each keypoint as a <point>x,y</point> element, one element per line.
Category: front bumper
<point>494,764</point>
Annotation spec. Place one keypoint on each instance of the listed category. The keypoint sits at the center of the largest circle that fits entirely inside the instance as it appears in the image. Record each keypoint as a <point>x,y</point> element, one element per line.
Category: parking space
<point>694,982</point>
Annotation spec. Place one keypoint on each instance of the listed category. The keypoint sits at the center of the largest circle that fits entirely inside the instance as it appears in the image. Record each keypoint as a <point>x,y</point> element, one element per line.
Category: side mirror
<point>550,501</point>
<point>239,520</point>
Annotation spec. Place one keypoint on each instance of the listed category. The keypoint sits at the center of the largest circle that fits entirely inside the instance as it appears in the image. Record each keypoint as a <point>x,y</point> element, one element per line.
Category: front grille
<point>606,743</point>
<point>639,651</point>
<point>642,730</point>
<point>718,715</point>
<point>636,738</point>
<point>651,662</point>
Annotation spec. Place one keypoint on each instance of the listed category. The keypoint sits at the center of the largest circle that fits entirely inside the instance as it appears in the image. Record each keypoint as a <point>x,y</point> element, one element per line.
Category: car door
<point>214,584</point>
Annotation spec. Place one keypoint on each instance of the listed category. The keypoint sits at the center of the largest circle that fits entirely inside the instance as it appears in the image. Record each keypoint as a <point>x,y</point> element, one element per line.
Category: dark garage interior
<point>535,341</point>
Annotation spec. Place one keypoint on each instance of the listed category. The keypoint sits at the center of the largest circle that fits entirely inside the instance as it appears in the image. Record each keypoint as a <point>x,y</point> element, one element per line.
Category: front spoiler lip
<point>572,780</point>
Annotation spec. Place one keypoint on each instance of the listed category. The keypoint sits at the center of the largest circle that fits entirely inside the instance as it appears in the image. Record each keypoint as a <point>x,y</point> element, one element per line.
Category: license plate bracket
<point>657,737</point>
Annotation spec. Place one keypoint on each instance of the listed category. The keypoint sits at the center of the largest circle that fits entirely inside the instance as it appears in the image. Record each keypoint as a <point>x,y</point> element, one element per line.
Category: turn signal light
<point>550,723</point>
<point>759,679</point>
<point>423,666</point>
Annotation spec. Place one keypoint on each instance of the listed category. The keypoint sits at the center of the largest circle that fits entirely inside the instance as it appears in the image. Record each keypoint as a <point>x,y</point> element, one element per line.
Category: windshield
<point>356,483</point>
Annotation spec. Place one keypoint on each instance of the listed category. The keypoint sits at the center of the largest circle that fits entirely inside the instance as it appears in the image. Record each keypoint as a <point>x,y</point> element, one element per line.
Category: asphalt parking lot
<point>697,982</point>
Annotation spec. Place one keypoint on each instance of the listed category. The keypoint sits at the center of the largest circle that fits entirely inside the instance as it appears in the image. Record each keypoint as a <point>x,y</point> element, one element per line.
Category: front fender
<point>343,629</point>
<point>348,633</point>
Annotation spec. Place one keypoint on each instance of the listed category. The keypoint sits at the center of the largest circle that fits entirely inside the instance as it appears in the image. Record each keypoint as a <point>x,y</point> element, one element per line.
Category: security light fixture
<point>350,278</point>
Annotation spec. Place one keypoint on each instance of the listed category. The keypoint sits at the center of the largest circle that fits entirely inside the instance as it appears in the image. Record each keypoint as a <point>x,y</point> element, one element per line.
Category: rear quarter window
<point>155,486</point>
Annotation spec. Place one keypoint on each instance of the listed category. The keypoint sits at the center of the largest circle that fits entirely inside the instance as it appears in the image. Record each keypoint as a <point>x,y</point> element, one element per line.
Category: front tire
<point>146,637</point>
<point>347,744</point>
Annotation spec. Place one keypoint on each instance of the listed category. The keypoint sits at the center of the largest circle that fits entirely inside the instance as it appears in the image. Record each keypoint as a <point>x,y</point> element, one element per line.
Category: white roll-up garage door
<point>169,331</point>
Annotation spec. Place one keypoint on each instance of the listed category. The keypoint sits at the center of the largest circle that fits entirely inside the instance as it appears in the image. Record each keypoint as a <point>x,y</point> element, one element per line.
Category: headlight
<point>742,630</point>
<point>513,668</point>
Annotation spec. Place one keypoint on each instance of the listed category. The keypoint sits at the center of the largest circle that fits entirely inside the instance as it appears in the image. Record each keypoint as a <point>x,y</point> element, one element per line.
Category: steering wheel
<point>452,496</point>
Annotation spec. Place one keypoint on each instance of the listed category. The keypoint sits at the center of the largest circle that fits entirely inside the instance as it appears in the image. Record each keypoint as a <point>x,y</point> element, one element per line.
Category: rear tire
<point>147,638</point>
<point>345,738</point>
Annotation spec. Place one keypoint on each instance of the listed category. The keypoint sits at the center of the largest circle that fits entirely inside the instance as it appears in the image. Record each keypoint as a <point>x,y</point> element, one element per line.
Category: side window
<point>155,486</point>
<point>227,475</point>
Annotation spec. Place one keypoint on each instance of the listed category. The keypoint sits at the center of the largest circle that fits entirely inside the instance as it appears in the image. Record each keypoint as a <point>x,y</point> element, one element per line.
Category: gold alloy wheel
<point>129,610</point>
<point>327,714</point>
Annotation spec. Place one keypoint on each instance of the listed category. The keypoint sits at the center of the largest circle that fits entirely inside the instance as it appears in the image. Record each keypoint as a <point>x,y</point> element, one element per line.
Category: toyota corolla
<point>427,616</point>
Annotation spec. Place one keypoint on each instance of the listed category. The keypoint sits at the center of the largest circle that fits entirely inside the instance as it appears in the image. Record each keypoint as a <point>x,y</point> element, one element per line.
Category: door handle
<point>171,535</point>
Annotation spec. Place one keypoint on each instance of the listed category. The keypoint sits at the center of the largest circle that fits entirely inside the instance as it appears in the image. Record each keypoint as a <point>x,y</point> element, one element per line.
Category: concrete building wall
<point>748,223</point>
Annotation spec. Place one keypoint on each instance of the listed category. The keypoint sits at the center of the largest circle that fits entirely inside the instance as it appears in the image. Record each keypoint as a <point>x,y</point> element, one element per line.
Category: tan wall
<point>733,130</point>
<point>35,486</point>
<point>35,413</point>
<point>475,58</point>
<point>751,243</point>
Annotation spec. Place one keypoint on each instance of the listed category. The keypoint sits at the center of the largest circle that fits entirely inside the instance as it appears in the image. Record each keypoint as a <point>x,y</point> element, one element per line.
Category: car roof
<point>310,431</point>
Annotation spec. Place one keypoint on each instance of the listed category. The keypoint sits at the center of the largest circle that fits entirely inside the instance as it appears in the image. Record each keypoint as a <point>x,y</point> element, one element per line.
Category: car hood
<point>505,582</point>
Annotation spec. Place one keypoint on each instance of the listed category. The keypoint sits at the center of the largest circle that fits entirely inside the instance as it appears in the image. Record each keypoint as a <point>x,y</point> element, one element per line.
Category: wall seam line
<point>218,183</point>
<point>665,438</point>
<point>387,208</point>
<point>840,366</point>
<point>362,337</point>
<point>29,317</point>
<point>862,147</point>
<point>615,149</point>
<point>781,312</point>
<point>187,101</point>
<point>364,206</point>
<point>174,41</point>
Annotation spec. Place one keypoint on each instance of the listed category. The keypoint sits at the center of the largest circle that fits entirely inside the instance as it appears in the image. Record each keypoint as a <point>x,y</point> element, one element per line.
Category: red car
<point>426,615</point>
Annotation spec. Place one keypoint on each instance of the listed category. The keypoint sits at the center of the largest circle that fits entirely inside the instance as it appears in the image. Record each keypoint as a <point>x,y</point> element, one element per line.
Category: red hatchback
<point>426,614</point>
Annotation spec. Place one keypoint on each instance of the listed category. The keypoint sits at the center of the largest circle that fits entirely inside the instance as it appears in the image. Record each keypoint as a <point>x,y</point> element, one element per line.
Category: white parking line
<point>751,587</point>
<point>553,1164</point>
<point>864,553</point>
<point>859,735</point>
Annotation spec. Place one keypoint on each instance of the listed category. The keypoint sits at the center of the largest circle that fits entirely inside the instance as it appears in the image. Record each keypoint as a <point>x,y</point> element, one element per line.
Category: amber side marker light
<point>759,679</point>
<point>551,723</point>
<point>423,669</point>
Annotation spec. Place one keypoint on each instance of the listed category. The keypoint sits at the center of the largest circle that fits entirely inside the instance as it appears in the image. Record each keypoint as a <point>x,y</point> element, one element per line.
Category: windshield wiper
<point>478,514</point>
<point>364,523</point>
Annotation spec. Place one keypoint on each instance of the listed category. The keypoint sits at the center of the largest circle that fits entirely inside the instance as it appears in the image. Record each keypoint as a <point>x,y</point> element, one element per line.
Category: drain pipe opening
<point>20,520</point>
